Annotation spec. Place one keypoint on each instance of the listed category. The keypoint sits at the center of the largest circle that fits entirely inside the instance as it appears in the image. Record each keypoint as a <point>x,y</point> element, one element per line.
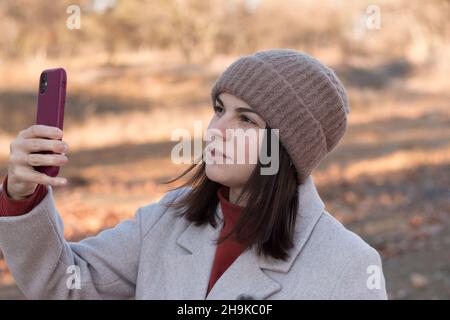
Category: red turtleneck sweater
<point>12,207</point>
<point>226,252</point>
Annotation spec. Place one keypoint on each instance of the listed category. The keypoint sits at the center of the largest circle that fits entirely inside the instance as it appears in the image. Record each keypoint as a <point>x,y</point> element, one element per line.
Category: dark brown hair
<point>268,219</point>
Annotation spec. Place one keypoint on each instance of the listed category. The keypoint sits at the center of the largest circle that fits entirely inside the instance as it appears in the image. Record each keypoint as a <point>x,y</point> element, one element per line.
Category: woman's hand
<point>22,178</point>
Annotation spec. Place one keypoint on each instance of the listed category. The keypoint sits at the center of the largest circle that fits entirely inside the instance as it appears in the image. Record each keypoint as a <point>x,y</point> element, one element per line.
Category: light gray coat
<point>159,256</point>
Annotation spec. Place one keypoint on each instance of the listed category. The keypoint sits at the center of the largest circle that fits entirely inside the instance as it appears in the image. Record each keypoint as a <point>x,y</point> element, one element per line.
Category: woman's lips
<point>217,153</point>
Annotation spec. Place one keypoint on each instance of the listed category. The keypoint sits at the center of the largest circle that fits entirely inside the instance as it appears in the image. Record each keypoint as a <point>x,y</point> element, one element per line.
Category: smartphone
<point>50,107</point>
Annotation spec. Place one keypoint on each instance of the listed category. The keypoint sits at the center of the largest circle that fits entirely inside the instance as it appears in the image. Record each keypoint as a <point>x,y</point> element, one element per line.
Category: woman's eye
<point>218,109</point>
<point>248,120</point>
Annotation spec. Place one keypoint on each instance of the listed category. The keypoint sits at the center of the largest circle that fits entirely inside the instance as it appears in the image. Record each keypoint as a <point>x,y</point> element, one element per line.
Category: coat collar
<point>188,273</point>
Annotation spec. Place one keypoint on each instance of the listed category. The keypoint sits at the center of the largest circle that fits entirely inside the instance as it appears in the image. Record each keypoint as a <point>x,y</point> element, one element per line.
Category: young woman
<point>233,231</point>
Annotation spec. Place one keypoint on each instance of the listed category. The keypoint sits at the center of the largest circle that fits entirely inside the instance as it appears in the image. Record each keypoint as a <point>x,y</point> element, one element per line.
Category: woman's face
<point>234,141</point>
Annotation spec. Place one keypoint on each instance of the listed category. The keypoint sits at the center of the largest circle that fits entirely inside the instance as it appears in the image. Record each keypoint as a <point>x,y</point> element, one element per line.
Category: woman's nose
<point>223,127</point>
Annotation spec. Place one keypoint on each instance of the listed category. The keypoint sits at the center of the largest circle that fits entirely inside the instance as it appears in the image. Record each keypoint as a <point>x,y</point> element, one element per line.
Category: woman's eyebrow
<point>242,109</point>
<point>220,101</point>
<point>239,109</point>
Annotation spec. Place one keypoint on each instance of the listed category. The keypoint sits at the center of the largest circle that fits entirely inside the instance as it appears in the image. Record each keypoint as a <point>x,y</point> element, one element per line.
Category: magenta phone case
<point>50,107</point>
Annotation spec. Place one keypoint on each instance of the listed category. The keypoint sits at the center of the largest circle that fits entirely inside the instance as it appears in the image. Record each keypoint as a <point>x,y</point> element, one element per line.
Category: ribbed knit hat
<point>296,94</point>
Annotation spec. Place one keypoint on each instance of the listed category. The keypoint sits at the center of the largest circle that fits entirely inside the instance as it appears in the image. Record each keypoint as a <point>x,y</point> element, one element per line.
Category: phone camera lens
<point>43,83</point>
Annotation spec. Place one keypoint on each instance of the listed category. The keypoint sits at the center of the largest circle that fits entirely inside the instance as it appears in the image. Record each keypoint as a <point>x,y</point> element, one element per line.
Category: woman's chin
<point>217,173</point>
<point>228,175</point>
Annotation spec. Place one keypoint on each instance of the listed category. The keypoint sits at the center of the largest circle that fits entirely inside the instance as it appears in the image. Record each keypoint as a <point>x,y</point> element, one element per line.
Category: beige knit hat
<point>296,94</point>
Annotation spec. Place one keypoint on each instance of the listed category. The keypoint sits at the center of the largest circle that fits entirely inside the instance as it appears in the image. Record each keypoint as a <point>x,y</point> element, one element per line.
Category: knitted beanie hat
<point>296,94</point>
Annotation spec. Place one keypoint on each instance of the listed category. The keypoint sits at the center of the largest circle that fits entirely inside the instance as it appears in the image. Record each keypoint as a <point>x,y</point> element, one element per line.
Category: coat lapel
<point>244,277</point>
<point>188,274</point>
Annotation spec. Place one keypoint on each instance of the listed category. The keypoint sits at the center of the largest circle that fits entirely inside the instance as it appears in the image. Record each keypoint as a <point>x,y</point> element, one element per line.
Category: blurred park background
<point>139,69</point>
